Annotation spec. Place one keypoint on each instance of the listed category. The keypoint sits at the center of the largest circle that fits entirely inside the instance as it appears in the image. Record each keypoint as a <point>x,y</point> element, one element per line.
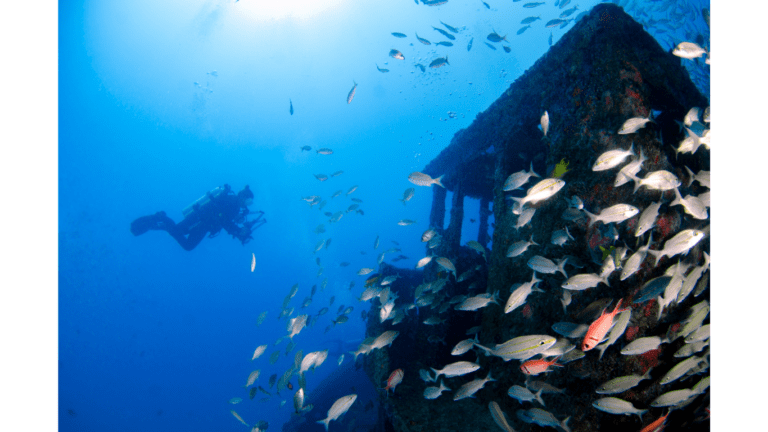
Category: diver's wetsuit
<point>223,211</point>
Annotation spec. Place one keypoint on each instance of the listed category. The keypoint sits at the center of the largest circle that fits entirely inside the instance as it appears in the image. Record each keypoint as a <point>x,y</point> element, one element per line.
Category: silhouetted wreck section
<point>605,70</point>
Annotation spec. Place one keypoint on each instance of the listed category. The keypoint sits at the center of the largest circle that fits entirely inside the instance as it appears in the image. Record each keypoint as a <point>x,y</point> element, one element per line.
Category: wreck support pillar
<point>437,214</point>
<point>453,232</point>
<point>485,213</point>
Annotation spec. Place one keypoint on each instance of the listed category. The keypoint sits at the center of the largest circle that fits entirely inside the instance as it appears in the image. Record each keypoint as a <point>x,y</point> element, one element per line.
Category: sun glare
<point>261,10</point>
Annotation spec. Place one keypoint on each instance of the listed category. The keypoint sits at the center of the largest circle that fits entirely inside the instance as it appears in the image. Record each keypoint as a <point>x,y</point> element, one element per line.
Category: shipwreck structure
<point>605,70</point>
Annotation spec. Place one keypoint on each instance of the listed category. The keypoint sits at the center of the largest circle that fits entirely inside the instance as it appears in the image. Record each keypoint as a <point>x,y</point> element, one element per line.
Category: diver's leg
<point>194,237</point>
<point>157,221</point>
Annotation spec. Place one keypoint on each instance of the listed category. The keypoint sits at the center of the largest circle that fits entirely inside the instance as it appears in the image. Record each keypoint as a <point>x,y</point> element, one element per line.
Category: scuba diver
<point>217,209</point>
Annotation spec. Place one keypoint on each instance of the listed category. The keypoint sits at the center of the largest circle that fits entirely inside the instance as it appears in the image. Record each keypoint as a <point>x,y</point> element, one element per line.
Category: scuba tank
<point>203,200</point>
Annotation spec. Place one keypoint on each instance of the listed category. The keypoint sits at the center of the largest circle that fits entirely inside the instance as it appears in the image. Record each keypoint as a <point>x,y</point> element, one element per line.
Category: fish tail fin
<point>533,243</point>
<point>437,181</point>
<point>657,255</point>
<point>640,414</point>
<point>690,176</point>
<point>446,60</point>
<point>632,149</point>
<point>592,217</point>
<point>662,302</point>
<point>561,267</point>
<point>554,362</point>
<point>534,279</point>
<point>533,173</point>
<point>437,374</point>
<point>678,198</point>
<point>325,422</point>
<point>564,425</point>
<point>537,396</point>
<point>602,349</point>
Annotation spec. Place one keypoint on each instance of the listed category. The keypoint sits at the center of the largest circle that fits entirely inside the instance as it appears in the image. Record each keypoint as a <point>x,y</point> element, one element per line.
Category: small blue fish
<point>291,103</point>
<point>469,45</point>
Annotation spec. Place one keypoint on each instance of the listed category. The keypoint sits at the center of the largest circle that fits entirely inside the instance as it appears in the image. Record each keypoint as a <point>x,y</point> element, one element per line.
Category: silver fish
<point>407,195</point>
<point>351,93</point>
<point>472,387</point>
<point>522,394</point>
<point>475,303</point>
<point>544,125</point>
<point>434,392</point>
<point>463,346</point>
<point>499,417</point>
<point>581,282</point>
<point>524,218</point>
<point>453,29</point>
<point>439,62</point>
<point>396,54</point>
<point>642,345</point>
<point>445,33</point>
<point>515,180</point>
<point>633,125</point>
<point>519,295</point>
<point>672,398</point>
<point>555,22</point>
<point>338,408</point>
<point>456,369</point>
<point>692,278</point>
<point>543,265</point>
<point>616,213</point>
<point>446,264</point>
<point>688,50</point>
<point>541,191</point>
<point>521,348</point>
<point>679,244</point>
<point>635,260</point>
<point>428,235</point>
<point>406,222</point>
<point>647,219</point>
<point>422,40</point>
<point>424,261</point>
<point>691,204</point>
<point>622,384</point>
<point>529,20</point>
<point>617,406</point>
<point>542,417</point>
<point>658,180</point>
<point>422,179</point>
<point>702,177</point>
<point>612,158</point>
<point>518,248</point>
<point>560,237</point>
<point>681,369</point>
<point>385,339</point>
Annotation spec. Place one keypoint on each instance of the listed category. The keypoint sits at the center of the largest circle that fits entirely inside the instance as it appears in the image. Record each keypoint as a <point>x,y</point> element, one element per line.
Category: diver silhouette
<point>217,209</point>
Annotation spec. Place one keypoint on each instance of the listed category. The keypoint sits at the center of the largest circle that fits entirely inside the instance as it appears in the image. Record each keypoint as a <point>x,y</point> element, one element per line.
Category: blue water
<point>161,101</point>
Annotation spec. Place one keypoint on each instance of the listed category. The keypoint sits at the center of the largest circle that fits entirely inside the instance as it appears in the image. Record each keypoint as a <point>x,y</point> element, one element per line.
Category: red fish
<point>394,379</point>
<point>535,367</point>
<point>657,425</point>
<point>599,328</point>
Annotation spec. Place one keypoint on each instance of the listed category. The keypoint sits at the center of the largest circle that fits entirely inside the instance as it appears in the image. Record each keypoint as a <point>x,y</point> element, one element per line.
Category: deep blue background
<point>152,337</point>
